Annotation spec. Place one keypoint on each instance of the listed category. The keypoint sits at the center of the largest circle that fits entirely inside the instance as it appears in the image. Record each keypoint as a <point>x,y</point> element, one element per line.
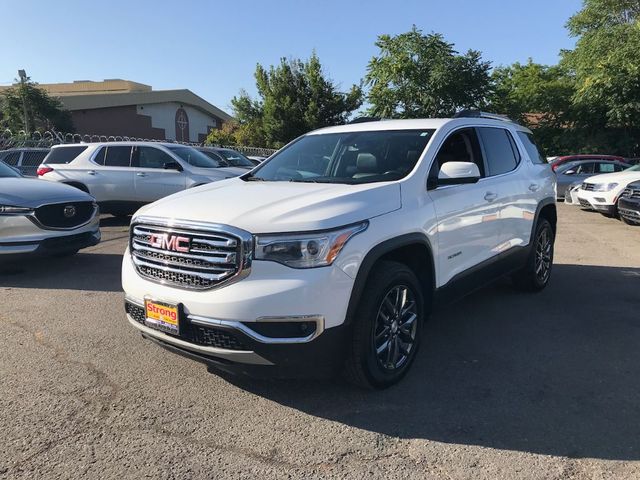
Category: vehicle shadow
<point>549,373</point>
<point>109,221</point>
<point>89,271</point>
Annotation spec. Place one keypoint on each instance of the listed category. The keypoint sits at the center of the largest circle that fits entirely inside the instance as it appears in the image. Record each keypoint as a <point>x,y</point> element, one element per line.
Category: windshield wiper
<point>251,177</point>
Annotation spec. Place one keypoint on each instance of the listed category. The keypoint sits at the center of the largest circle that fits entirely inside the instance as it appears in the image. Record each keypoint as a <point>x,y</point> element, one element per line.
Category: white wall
<point>163,115</point>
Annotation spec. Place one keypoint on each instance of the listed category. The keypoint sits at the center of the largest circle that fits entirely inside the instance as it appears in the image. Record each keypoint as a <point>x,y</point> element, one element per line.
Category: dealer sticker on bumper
<point>162,316</point>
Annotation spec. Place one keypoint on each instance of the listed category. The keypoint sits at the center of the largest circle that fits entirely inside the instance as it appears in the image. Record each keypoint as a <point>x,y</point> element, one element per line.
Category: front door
<point>152,180</point>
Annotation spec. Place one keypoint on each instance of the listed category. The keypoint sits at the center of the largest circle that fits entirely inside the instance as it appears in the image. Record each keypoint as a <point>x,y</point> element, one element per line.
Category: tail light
<point>42,170</point>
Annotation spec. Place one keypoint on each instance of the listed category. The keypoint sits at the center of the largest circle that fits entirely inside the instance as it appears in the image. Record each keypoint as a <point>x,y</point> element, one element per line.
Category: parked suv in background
<point>330,255</point>
<point>123,176</point>
<point>26,160</point>
<point>629,204</point>
<point>602,192</point>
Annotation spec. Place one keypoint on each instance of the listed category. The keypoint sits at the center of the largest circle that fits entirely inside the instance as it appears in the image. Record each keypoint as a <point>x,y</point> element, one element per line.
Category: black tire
<point>364,366</point>
<point>535,275</point>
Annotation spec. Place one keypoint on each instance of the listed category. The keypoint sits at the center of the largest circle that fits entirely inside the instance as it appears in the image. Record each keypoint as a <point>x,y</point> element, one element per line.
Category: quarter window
<point>63,155</point>
<point>118,156</point>
<point>532,149</point>
<point>500,151</point>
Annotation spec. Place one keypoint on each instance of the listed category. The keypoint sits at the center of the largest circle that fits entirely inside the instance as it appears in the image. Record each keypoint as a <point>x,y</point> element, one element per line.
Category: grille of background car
<point>53,215</point>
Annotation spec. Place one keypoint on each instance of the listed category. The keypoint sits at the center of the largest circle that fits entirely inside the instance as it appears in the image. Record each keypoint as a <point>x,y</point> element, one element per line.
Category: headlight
<point>12,210</point>
<point>306,250</point>
<point>604,187</point>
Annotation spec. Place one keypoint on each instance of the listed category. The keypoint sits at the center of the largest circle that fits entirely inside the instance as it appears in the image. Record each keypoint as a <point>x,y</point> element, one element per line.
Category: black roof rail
<point>470,113</point>
<point>365,119</point>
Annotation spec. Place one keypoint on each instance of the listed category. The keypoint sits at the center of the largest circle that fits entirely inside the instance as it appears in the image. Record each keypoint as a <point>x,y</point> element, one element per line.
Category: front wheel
<point>535,275</point>
<point>387,329</point>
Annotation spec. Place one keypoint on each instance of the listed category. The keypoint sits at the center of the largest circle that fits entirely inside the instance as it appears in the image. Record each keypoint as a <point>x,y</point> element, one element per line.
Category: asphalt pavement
<point>506,385</point>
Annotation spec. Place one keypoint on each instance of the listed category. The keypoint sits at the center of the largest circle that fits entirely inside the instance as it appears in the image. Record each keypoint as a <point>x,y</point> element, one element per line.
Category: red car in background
<point>570,158</point>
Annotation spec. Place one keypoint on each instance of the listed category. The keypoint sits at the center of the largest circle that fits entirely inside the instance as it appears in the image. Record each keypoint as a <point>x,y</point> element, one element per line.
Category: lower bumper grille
<point>64,215</point>
<point>631,214</point>
<point>197,334</point>
<point>584,203</point>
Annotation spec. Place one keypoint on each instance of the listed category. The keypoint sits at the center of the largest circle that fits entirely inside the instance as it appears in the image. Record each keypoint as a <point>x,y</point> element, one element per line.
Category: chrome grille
<point>208,256</point>
<point>631,192</point>
<point>588,186</point>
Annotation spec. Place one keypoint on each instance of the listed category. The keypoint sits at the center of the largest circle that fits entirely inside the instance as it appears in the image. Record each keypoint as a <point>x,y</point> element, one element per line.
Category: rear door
<point>508,186</point>
<point>112,179</point>
<point>152,180</point>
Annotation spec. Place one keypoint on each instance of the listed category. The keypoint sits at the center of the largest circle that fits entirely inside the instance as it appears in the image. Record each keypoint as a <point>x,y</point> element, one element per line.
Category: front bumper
<point>19,236</point>
<point>236,347</point>
<point>629,209</point>
<point>603,202</point>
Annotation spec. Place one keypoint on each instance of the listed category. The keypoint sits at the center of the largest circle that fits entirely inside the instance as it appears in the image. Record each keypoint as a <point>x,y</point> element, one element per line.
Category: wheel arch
<point>547,210</point>
<point>412,250</point>
<point>78,185</point>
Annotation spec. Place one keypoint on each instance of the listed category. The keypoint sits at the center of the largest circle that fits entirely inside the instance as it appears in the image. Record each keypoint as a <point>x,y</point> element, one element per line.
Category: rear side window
<point>607,168</point>
<point>501,153</point>
<point>118,156</point>
<point>33,159</point>
<point>532,149</point>
<point>63,155</point>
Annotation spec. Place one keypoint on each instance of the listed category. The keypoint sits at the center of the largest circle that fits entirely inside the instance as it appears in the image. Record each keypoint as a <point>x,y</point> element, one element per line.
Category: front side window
<point>501,153</point>
<point>150,157</point>
<point>348,157</point>
<point>460,146</point>
<point>118,156</point>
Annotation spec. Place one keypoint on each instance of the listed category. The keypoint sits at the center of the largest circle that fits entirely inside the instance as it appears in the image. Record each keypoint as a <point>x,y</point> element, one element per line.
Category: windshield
<point>7,172</point>
<point>349,157</point>
<point>235,159</point>
<point>635,168</point>
<point>194,157</point>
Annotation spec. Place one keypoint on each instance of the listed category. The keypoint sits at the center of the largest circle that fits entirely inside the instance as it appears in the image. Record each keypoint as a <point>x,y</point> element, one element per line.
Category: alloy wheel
<point>543,255</point>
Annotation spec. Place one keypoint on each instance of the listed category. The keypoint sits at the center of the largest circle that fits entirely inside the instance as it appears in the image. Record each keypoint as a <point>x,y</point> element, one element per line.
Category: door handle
<point>490,196</point>
<point>534,187</point>
<point>91,172</point>
<point>141,174</point>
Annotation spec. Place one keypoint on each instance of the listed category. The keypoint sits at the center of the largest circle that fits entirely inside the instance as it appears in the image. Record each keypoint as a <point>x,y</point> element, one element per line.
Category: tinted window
<point>460,146</point>
<point>33,158</point>
<point>499,150</point>
<point>63,154</point>
<point>214,156</point>
<point>235,159</point>
<point>150,157</point>
<point>99,158</point>
<point>532,149</point>
<point>194,157</point>
<point>11,158</point>
<point>6,171</point>
<point>585,168</point>
<point>117,157</point>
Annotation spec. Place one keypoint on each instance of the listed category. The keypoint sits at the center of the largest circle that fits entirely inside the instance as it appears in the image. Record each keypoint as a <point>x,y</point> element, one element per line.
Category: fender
<point>543,203</point>
<point>375,254</point>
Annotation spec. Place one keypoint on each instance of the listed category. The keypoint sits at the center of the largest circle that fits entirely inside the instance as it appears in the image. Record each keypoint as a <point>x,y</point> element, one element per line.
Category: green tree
<point>416,75</point>
<point>43,111</point>
<point>606,66</point>
<point>293,97</point>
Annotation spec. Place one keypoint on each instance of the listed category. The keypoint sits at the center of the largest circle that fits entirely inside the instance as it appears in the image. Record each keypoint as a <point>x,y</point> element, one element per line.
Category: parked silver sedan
<point>38,217</point>
<point>573,172</point>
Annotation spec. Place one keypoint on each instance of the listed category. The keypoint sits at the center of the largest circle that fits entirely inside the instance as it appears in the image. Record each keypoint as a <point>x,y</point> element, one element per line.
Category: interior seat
<point>367,165</point>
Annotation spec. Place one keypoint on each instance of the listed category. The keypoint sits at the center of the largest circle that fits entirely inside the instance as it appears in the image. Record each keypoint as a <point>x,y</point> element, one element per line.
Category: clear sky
<point>212,47</point>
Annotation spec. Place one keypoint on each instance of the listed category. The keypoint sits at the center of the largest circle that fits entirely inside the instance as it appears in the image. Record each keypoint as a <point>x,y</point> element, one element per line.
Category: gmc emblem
<point>170,242</point>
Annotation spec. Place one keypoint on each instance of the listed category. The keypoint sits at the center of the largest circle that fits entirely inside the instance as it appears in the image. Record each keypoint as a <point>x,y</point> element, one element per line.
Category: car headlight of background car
<point>13,210</point>
<point>308,250</point>
<point>604,187</point>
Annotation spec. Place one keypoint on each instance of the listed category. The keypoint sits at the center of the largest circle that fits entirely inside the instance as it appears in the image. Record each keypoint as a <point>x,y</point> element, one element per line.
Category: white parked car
<point>38,217</point>
<point>123,176</point>
<point>602,192</point>
<point>330,255</point>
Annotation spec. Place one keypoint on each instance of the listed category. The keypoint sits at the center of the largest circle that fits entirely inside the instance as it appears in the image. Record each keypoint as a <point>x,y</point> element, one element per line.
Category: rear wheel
<point>387,327</point>
<point>535,275</point>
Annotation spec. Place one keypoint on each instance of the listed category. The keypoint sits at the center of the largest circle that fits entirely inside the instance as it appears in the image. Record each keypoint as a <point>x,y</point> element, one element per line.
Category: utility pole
<point>23,78</point>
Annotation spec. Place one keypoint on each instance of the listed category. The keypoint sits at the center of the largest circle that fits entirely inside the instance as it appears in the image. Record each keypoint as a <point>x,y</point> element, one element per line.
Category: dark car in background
<point>629,204</point>
<point>227,157</point>
<point>572,172</point>
<point>571,158</point>
<point>25,160</point>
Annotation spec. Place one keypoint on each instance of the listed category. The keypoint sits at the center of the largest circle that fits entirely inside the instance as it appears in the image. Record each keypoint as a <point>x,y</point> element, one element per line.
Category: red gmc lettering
<point>169,242</point>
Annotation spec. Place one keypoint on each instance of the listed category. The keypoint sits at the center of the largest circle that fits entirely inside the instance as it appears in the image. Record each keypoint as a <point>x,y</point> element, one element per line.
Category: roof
<point>105,100</point>
<point>417,124</point>
<point>120,143</point>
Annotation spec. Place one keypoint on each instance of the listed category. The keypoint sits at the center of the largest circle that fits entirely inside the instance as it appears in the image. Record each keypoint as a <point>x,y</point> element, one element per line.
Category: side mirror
<point>172,166</point>
<point>455,173</point>
<point>570,172</point>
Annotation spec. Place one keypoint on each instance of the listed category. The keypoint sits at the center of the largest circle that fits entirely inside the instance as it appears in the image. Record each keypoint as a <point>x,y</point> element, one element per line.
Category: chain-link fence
<point>26,151</point>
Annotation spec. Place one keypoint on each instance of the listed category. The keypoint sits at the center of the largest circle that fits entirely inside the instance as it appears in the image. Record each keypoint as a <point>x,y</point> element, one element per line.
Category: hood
<point>269,207</point>
<point>619,177</point>
<point>32,192</point>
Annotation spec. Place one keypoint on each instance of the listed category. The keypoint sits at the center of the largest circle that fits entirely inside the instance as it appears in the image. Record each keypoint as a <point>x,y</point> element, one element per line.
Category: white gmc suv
<point>329,256</point>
